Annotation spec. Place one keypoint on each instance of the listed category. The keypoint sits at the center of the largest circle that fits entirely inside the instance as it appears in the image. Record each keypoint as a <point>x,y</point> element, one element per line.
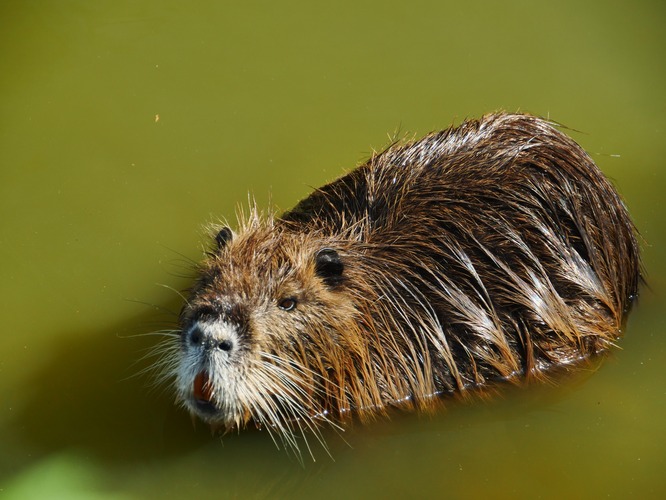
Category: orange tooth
<point>202,388</point>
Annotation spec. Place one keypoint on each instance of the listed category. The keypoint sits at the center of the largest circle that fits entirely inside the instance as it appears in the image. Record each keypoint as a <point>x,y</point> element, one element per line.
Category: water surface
<point>126,126</point>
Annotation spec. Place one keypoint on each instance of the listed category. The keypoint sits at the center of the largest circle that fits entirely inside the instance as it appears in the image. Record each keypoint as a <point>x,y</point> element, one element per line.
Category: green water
<point>126,126</point>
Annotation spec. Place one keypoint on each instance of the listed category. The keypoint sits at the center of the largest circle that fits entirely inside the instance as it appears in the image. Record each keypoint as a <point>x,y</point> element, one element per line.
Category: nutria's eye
<point>287,304</point>
<point>329,266</point>
<point>223,237</point>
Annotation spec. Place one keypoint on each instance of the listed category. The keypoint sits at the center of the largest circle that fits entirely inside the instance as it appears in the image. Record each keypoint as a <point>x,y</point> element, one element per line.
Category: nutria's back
<point>503,222</point>
<point>494,250</point>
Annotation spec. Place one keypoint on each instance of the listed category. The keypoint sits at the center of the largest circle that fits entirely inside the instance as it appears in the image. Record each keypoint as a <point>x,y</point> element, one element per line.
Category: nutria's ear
<point>223,237</point>
<point>328,266</point>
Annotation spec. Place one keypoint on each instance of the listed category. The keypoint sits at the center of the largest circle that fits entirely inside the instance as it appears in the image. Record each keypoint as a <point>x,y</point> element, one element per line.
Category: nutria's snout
<point>208,337</point>
<point>493,251</point>
<point>211,348</point>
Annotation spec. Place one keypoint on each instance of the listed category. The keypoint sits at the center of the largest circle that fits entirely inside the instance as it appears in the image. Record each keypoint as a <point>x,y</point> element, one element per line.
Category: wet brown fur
<point>492,251</point>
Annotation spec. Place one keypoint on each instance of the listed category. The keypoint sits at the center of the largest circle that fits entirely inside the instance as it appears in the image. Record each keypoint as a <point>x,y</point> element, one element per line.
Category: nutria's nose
<point>210,337</point>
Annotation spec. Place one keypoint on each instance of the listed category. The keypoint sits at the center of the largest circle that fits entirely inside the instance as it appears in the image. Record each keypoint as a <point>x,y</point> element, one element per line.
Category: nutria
<point>492,251</point>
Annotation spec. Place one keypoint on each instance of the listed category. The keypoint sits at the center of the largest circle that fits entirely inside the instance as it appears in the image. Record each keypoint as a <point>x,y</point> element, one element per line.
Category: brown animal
<point>493,251</point>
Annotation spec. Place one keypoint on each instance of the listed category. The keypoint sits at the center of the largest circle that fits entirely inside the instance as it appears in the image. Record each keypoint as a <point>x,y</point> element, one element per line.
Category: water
<point>126,126</point>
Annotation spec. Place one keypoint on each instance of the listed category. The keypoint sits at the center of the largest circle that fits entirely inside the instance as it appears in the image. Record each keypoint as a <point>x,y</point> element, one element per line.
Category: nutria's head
<point>263,336</point>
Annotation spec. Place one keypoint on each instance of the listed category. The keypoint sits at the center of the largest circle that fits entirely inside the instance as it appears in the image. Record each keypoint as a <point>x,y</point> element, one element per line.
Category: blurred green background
<point>125,126</point>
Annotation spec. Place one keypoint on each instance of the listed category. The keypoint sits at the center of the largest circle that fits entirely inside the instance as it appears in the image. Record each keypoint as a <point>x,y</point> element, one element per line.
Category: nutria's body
<point>492,251</point>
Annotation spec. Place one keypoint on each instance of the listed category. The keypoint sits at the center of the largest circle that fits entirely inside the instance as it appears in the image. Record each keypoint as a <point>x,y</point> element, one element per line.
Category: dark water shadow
<point>89,397</point>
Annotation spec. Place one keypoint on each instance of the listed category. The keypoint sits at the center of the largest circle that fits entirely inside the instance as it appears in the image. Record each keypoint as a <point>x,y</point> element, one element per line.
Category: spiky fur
<point>495,250</point>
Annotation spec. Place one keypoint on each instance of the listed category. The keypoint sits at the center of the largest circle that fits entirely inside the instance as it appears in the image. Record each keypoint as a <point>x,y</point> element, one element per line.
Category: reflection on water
<point>100,202</point>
